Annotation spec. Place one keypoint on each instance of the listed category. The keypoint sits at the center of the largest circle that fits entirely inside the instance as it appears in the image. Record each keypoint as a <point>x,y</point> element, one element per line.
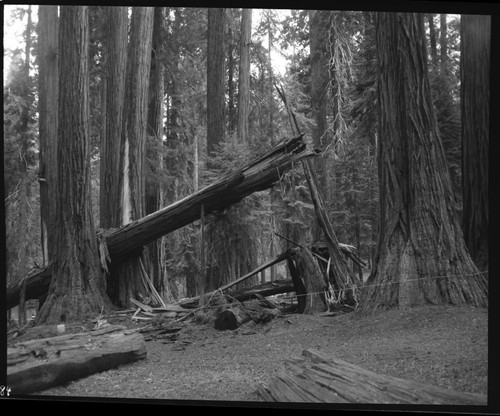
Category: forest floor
<point>441,345</point>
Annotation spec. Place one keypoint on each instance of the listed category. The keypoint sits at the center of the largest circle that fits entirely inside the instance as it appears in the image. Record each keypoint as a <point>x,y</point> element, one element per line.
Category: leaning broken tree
<point>116,245</point>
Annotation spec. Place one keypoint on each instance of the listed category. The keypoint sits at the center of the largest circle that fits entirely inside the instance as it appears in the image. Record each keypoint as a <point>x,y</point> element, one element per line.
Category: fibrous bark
<point>475,103</point>
<point>421,255</point>
<point>77,286</point>
<point>47,103</point>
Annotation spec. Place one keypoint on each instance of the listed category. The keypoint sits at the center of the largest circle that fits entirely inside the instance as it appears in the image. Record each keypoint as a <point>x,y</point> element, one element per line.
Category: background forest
<point>325,62</point>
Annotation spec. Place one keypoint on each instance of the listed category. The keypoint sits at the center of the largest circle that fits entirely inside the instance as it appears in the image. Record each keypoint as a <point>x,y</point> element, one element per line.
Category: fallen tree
<point>318,378</point>
<point>43,363</point>
<point>116,245</point>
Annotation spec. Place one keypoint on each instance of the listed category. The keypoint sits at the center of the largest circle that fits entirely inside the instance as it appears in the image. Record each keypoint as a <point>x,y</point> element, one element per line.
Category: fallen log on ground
<point>38,282</point>
<point>40,364</point>
<point>322,379</point>
<point>260,174</point>
<point>264,289</point>
<point>194,301</point>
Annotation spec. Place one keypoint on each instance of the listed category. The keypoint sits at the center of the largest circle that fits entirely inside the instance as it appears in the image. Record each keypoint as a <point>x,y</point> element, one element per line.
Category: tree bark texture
<point>318,32</point>
<point>421,258</point>
<point>127,282</point>
<point>244,75</point>
<point>112,149</point>
<point>48,79</point>
<point>77,286</point>
<point>154,146</point>
<point>314,281</point>
<point>475,102</point>
<point>215,78</point>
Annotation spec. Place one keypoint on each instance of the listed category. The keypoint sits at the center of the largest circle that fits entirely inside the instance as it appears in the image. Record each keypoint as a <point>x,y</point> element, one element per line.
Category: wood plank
<point>53,361</point>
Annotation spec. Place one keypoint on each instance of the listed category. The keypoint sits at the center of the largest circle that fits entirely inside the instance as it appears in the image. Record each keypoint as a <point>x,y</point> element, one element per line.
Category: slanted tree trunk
<point>422,257</point>
<point>48,79</point>
<point>475,106</point>
<point>77,288</point>
<point>128,273</point>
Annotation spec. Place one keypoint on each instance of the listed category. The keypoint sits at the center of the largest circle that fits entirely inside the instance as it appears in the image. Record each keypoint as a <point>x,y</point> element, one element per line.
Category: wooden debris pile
<point>318,378</point>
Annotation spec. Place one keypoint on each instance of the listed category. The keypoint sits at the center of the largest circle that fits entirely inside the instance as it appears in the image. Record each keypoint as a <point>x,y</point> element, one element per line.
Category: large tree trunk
<point>128,273</point>
<point>318,33</point>
<point>77,287</point>
<point>475,104</point>
<point>421,256</point>
<point>48,79</point>
<point>154,147</point>
<point>25,184</point>
<point>215,79</point>
<point>244,75</point>
<point>112,151</point>
<point>215,106</point>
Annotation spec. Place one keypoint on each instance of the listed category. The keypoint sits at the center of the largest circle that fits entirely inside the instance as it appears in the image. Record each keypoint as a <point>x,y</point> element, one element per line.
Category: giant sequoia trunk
<point>475,102</point>
<point>154,147</point>
<point>47,105</point>
<point>318,29</point>
<point>421,256</point>
<point>111,156</point>
<point>126,278</point>
<point>77,286</point>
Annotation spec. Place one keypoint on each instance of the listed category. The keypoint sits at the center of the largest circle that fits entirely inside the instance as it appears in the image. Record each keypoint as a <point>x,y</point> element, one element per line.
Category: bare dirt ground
<point>441,345</point>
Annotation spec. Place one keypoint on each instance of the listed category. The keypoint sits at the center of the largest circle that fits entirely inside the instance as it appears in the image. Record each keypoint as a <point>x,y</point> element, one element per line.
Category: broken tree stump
<point>318,378</point>
<point>40,364</point>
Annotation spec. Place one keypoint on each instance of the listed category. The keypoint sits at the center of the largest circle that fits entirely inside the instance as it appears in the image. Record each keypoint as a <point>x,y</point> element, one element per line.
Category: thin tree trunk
<point>443,43</point>
<point>432,39</point>
<point>77,286</point>
<point>421,258</point>
<point>475,102</point>
<point>244,75</point>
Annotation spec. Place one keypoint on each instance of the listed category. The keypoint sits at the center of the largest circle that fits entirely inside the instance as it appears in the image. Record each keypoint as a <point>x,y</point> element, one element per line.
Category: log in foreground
<point>260,174</point>
<point>318,378</point>
<point>44,363</point>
